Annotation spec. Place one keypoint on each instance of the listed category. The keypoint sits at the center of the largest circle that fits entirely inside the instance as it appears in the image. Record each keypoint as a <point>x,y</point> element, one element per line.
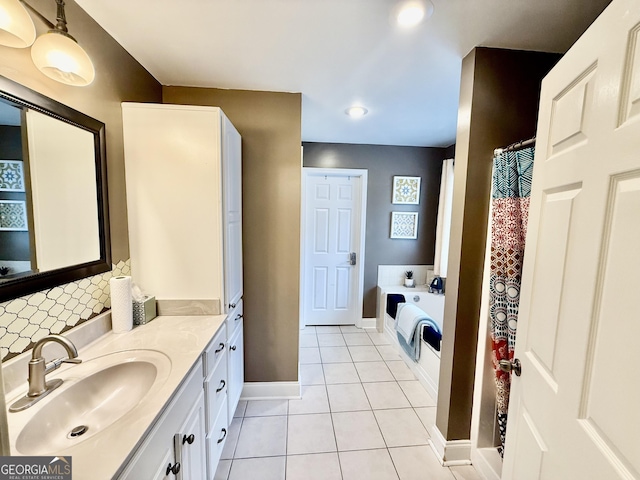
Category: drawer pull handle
<point>220,349</point>
<point>222,384</point>
<point>232,305</point>
<point>175,469</point>
<point>224,435</point>
<point>238,317</point>
<point>233,348</point>
<point>188,439</point>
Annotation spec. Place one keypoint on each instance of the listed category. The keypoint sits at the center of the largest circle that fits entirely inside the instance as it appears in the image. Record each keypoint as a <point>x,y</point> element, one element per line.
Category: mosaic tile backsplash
<point>27,319</point>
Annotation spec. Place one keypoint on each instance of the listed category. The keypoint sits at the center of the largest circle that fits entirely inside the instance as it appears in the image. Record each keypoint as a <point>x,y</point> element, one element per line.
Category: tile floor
<point>362,416</point>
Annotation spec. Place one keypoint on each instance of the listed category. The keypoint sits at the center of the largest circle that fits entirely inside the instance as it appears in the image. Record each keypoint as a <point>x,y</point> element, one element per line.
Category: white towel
<point>407,318</point>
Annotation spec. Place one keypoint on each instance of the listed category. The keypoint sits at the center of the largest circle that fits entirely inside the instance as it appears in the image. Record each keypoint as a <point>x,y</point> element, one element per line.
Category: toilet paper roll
<point>121,306</point>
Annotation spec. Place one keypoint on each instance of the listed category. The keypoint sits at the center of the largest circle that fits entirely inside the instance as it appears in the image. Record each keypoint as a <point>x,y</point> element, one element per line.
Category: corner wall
<point>270,125</point>
<point>499,97</point>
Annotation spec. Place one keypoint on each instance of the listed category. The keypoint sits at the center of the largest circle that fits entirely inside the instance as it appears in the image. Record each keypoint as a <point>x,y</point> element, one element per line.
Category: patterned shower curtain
<point>512,174</point>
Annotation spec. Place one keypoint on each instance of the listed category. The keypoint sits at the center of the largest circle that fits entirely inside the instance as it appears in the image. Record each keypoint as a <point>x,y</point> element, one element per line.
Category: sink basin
<point>95,395</point>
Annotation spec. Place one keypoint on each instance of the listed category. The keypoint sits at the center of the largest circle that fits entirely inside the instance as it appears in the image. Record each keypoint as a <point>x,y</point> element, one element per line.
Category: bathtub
<point>427,369</point>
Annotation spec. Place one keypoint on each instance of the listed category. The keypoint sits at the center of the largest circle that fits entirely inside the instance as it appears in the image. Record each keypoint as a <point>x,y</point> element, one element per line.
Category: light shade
<point>59,57</point>
<point>412,12</point>
<point>16,27</point>
<point>356,111</point>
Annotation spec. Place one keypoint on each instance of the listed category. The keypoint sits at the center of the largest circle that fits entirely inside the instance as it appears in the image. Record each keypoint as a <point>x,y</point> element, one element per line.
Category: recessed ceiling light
<point>412,13</point>
<point>356,111</point>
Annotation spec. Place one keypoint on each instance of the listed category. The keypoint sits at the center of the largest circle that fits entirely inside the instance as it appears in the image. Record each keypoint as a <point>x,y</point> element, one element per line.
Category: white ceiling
<point>337,53</point>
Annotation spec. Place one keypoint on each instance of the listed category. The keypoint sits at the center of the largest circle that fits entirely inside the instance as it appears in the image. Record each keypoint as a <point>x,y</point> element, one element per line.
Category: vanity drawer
<point>216,440</point>
<point>215,392</point>
<point>214,352</point>
<point>234,319</point>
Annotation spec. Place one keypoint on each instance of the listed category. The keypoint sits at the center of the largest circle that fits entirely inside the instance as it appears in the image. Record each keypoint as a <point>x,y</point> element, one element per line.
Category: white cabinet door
<point>191,443</point>
<point>232,213</point>
<point>165,464</point>
<point>236,368</point>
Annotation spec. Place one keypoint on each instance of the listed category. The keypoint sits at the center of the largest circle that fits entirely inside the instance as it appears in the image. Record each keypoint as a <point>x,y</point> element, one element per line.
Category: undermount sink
<point>94,396</point>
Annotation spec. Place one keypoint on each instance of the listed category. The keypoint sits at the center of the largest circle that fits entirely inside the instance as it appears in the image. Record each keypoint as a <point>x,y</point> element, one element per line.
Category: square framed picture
<point>11,176</point>
<point>406,190</point>
<point>404,225</point>
<point>13,215</point>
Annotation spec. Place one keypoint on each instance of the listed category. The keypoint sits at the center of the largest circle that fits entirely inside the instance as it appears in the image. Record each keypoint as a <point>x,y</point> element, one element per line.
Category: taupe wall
<point>499,98</point>
<point>383,162</point>
<point>119,77</point>
<point>270,125</point>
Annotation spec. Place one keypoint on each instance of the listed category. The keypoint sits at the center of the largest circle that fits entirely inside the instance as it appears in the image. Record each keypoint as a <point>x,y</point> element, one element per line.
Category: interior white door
<point>574,411</point>
<point>332,234</point>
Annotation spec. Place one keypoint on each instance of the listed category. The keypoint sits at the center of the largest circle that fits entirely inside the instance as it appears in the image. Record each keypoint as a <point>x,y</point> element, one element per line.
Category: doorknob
<point>515,366</point>
<point>352,258</point>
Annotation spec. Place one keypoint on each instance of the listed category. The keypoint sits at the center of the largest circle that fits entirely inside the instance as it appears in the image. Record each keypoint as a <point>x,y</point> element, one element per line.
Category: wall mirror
<point>54,222</point>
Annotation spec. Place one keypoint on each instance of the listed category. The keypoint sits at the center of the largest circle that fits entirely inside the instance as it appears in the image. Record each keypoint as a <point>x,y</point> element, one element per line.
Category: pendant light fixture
<point>16,27</point>
<point>58,55</point>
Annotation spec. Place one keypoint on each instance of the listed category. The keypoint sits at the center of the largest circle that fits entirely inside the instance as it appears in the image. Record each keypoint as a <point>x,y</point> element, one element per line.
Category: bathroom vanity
<point>150,399</point>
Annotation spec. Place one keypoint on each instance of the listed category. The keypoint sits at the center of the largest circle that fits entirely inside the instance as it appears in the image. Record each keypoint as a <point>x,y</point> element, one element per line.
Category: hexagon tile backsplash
<point>27,319</point>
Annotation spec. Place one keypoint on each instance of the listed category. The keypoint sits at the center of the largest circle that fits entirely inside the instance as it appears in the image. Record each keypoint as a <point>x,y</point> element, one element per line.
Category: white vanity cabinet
<point>235,357</point>
<point>184,201</point>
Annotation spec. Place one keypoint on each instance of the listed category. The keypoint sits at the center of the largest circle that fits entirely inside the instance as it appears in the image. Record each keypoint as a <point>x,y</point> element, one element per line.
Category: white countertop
<point>181,339</point>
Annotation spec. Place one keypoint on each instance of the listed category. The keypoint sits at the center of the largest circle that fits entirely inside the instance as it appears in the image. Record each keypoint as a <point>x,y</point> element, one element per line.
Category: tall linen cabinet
<point>183,169</point>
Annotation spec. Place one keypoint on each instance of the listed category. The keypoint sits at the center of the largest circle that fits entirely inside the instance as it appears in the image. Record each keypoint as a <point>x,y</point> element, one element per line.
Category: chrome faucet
<point>38,369</point>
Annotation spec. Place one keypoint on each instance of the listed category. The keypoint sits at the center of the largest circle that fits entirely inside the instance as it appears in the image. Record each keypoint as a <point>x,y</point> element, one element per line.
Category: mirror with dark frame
<point>54,221</point>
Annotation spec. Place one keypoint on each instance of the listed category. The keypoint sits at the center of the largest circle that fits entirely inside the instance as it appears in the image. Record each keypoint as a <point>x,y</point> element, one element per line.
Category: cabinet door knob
<point>222,384</point>
<point>220,348</point>
<point>224,434</point>
<point>238,317</point>
<point>233,348</point>
<point>175,469</point>
<point>232,305</point>
<point>188,439</point>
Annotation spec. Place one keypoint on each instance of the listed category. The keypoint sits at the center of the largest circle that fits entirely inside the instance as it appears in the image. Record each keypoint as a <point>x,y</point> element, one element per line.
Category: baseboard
<point>270,390</point>
<point>450,452</point>
<point>487,462</point>
<point>366,323</point>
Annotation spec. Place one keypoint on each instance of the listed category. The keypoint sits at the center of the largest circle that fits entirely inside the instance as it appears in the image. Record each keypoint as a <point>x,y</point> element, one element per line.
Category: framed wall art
<point>404,225</point>
<point>11,176</point>
<point>406,190</point>
<point>13,215</point>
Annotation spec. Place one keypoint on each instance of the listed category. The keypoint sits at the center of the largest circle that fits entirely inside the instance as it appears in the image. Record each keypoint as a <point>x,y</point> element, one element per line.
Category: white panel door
<point>332,236</point>
<point>574,411</point>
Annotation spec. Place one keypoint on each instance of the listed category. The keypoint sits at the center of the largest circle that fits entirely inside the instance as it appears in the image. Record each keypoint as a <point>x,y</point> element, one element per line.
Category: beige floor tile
<point>357,339</point>
<point>427,416</point>
<point>400,370</point>
<point>311,374</point>
<point>417,394</point>
<point>401,427</point>
<point>232,439</point>
<point>308,341</point>
<point>310,434</point>
<point>357,431</point>
<point>374,372</point>
<point>335,355</point>
<point>350,329</point>
<point>419,463</point>
<point>266,408</point>
<point>314,400</point>
<point>388,352</point>
<point>340,373</point>
<point>242,406</point>
<point>272,468</point>
<point>309,355</point>
<point>331,340</point>
<point>317,466</point>
<point>379,338</point>
<point>384,395</point>
<point>222,472</point>
<point>465,472</point>
<point>367,464</point>
<point>262,437</point>
<point>328,329</point>
<point>365,354</point>
<point>308,331</point>
<point>347,398</point>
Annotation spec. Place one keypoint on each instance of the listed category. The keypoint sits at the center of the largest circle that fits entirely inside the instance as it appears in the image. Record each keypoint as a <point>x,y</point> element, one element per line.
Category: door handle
<point>508,367</point>
<point>352,258</point>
